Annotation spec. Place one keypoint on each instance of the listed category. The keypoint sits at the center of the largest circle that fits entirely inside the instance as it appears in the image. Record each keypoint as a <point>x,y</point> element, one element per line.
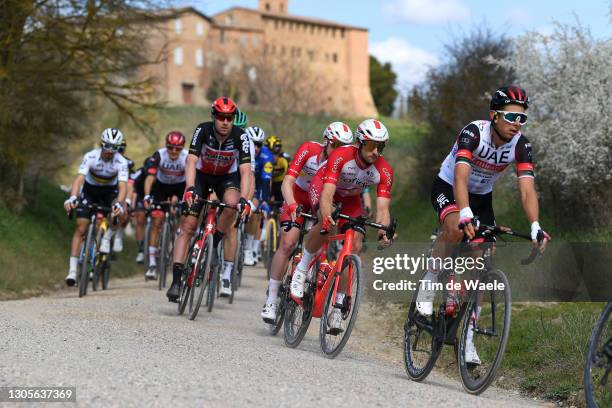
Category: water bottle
<point>324,270</point>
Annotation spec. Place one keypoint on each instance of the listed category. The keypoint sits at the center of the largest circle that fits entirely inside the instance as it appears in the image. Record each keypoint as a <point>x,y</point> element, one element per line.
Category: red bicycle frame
<point>209,229</point>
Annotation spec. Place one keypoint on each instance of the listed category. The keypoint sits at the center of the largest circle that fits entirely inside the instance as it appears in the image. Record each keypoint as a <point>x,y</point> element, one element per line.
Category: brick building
<point>334,52</point>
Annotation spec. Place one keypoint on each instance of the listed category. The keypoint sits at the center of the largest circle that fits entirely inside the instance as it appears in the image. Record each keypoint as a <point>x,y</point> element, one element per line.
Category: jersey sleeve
<point>85,164</point>
<point>334,165</point>
<point>383,189</point>
<point>124,172</point>
<point>195,147</point>
<point>243,144</point>
<point>299,158</point>
<point>524,158</point>
<point>467,142</point>
<point>152,163</point>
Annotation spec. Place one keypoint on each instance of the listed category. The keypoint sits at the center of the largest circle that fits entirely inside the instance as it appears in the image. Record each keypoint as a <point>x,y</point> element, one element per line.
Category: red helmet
<point>224,105</point>
<point>175,138</point>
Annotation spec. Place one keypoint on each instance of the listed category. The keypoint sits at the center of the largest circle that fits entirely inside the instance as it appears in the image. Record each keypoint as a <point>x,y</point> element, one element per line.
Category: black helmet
<point>509,95</point>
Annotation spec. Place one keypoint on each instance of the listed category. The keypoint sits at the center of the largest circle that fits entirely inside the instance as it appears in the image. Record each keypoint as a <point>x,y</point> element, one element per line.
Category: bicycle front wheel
<point>597,390</point>
<point>202,278</point>
<point>164,254</point>
<point>335,330</point>
<point>283,293</point>
<point>484,333</point>
<point>146,245</point>
<point>106,270</point>
<point>87,254</point>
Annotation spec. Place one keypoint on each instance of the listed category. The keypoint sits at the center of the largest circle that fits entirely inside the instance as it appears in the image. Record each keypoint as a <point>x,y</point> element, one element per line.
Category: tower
<point>273,6</point>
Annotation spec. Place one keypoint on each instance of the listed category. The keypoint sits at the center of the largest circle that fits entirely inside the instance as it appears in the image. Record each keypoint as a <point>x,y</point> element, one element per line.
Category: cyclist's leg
<point>105,196</point>
<point>229,188</point>
<point>251,232</point>
<point>82,222</point>
<point>160,194</point>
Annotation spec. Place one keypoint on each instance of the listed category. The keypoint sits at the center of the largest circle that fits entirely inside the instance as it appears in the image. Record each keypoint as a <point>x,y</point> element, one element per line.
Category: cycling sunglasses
<point>110,146</point>
<point>512,117</point>
<point>224,118</point>
<point>370,145</point>
<point>174,148</point>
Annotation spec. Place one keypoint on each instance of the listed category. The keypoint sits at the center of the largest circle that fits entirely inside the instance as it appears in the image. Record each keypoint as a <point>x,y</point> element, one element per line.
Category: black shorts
<point>164,192</point>
<point>443,201</point>
<point>99,195</point>
<point>218,183</point>
<point>276,191</point>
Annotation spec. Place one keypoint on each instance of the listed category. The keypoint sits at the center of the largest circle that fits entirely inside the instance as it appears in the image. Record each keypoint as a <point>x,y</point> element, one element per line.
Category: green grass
<point>35,246</point>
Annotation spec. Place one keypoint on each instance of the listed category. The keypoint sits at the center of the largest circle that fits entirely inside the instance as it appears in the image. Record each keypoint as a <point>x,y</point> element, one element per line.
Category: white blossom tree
<point>568,76</point>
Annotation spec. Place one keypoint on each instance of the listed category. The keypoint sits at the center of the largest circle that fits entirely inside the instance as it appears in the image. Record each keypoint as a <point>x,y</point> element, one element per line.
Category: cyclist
<point>103,175</point>
<point>220,158</point>
<point>464,185</point>
<point>349,169</point>
<point>281,165</point>
<point>136,194</point>
<point>309,157</point>
<point>118,241</point>
<point>264,160</point>
<point>165,182</point>
<point>240,119</point>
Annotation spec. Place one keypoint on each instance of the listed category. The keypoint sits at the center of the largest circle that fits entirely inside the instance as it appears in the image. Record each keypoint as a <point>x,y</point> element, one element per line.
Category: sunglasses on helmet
<point>370,145</point>
<point>512,117</point>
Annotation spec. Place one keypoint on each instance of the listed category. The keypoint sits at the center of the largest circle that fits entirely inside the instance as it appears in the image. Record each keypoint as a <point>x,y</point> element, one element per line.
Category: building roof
<point>174,12</point>
<point>300,19</point>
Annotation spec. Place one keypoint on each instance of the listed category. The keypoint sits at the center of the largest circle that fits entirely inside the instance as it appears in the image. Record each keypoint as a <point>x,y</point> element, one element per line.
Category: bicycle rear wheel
<point>202,278</point>
<point>240,259</point>
<point>334,339</point>
<point>597,390</point>
<point>87,254</point>
<point>423,339</point>
<point>146,244</point>
<point>487,321</point>
<point>283,292</point>
<point>270,245</point>
<point>164,255</point>
<point>106,270</point>
<point>213,280</point>
<point>235,272</point>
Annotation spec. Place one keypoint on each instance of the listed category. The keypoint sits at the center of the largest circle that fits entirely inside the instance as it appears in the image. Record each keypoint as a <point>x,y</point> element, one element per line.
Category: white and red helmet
<point>338,131</point>
<point>372,129</point>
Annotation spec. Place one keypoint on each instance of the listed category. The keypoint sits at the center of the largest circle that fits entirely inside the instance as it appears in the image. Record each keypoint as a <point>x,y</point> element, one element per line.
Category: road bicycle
<point>171,215</point>
<point>198,276</point>
<point>321,292</point>
<point>481,308</point>
<point>597,389</point>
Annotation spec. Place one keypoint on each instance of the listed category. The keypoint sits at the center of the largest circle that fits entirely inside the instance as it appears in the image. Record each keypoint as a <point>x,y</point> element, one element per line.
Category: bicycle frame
<point>209,229</point>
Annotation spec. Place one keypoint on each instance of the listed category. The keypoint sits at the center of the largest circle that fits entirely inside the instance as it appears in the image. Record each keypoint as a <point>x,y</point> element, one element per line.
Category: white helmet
<point>338,131</point>
<point>256,134</point>
<point>372,129</point>
<point>112,136</point>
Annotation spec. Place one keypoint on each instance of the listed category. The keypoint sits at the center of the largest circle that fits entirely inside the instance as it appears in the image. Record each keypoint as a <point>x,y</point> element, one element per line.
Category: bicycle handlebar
<point>497,230</point>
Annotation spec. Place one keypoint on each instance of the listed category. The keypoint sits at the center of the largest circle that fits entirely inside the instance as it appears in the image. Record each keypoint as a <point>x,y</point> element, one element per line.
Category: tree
<point>57,60</point>
<point>456,93</point>
<point>567,75</point>
<point>382,85</point>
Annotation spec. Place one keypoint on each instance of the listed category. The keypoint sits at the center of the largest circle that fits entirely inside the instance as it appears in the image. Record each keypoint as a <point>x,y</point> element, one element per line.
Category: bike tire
<point>162,266</point>
<point>240,259</point>
<point>594,356</point>
<point>416,325</point>
<point>213,282</point>
<point>202,283</point>
<point>485,374</point>
<point>329,349</point>
<point>271,245</point>
<point>298,318</point>
<point>145,248</point>
<point>283,292</point>
<point>84,272</point>
<point>106,271</point>
<point>234,276</point>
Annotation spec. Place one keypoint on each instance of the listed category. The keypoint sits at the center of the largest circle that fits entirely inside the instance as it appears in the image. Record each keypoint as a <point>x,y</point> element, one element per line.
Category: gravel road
<point>127,347</point>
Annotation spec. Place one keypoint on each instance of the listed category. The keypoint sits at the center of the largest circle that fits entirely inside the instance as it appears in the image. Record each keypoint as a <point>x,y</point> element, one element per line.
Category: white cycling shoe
<point>118,245</point>
<point>226,288</point>
<point>140,258</point>
<point>71,278</point>
<point>471,357</point>
<point>105,246</point>
<point>424,303</point>
<point>151,272</point>
<point>248,258</point>
<point>268,313</point>
<point>297,284</point>
<point>334,321</point>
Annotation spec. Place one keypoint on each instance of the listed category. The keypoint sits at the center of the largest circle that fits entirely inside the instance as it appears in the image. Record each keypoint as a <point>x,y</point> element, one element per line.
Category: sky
<point>410,34</point>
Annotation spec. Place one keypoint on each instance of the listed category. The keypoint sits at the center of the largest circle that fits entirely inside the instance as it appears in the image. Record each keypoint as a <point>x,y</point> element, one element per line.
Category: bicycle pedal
<point>334,331</point>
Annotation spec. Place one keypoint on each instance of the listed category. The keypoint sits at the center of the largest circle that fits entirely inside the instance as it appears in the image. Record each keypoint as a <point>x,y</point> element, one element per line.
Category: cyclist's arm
<point>148,184</point>
<point>77,184</point>
<point>327,199</point>
<point>190,170</point>
<point>287,189</point>
<point>122,192</point>
<point>252,186</point>
<point>529,198</point>
<point>245,180</point>
<point>460,185</point>
<point>367,200</point>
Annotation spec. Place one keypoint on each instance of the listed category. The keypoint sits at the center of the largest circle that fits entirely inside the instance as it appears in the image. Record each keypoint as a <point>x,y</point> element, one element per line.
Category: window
<point>200,29</point>
<point>187,93</point>
<point>267,6</point>
<point>178,25</point>
<point>255,42</point>
<point>229,20</point>
<point>252,74</point>
<point>311,55</point>
<point>335,57</point>
<point>276,24</point>
<point>222,36</point>
<point>178,56</point>
<point>199,58</point>
<point>243,40</point>
<point>342,33</point>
